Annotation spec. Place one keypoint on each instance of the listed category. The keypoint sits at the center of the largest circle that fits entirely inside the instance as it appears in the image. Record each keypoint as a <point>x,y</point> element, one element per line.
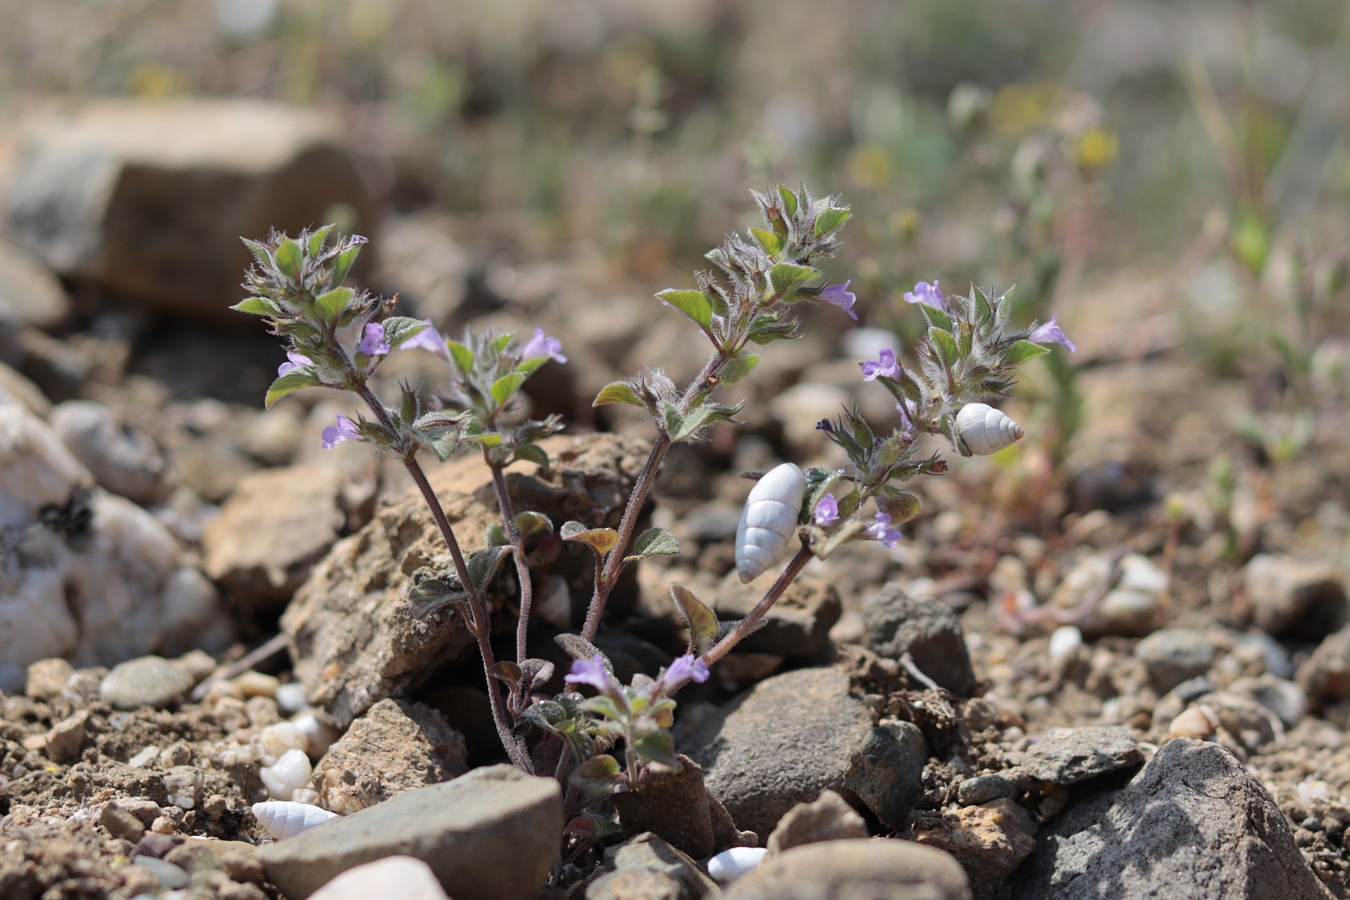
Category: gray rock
<point>1193,823</point>
<point>169,876</point>
<point>29,292</point>
<point>828,818</point>
<point>637,884</point>
<point>780,744</point>
<point>147,200</point>
<point>1282,697</point>
<point>396,746</point>
<point>886,770</point>
<point>925,628</point>
<point>352,635</point>
<point>1071,755</point>
<point>492,834</point>
<point>1325,675</point>
<point>879,868</point>
<point>989,841</point>
<point>672,804</point>
<point>147,681</point>
<point>797,625</point>
<point>649,853</point>
<point>124,462</point>
<point>993,786</point>
<point>1294,599</point>
<point>1174,655</point>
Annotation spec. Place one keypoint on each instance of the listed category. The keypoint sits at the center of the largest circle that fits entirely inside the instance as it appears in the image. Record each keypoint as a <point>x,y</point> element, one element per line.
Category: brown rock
<point>877,867</point>
<point>672,804</point>
<point>828,818</point>
<point>989,841</point>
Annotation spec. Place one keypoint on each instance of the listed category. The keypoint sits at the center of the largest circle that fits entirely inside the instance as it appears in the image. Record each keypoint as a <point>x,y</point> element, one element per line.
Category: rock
<point>120,823</point>
<point>925,628</point>
<point>672,804</point>
<point>886,770</point>
<point>827,818</point>
<point>993,786</point>
<point>1282,697</point>
<point>147,200</point>
<point>1174,655</point>
<point>647,852</point>
<point>1071,755</point>
<point>29,292</point>
<point>64,740</point>
<point>877,867</point>
<point>1294,599</point>
<point>1193,823</point>
<point>797,625</point>
<point>731,864</point>
<point>412,878</point>
<point>47,679</point>
<point>272,530</point>
<point>492,834</point>
<point>352,636</point>
<point>169,876</point>
<point>989,841</point>
<point>238,859</point>
<point>92,577</point>
<point>780,744</point>
<point>1129,606</point>
<point>124,462</point>
<point>147,681</point>
<point>396,746</point>
<point>637,884</point>
<point>1325,675</point>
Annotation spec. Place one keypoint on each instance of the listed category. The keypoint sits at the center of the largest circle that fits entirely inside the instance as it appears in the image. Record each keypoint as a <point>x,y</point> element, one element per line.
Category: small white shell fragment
<point>319,733</point>
<point>986,430</point>
<point>731,864</point>
<point>769,520</point>
<point>1198,722</point>
<point>288,774</point>
<point>277,738</point>
<point>286,818</point>
<point>1064,641</point>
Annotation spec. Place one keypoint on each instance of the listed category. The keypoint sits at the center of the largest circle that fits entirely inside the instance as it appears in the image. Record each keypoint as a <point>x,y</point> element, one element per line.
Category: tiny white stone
<point>279,737</point>
<point>287,775</point>
<point>731,864</point>
<point>291,697</point>
<point>1064,641</point>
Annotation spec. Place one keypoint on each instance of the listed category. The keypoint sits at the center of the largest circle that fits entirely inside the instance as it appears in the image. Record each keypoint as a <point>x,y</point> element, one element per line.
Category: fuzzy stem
<point>746,625</point>
<point>518,551</point>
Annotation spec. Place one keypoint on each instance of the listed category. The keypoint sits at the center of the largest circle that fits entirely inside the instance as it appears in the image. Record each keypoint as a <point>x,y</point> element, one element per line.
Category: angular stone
<point>877,867</point>
<point>492,834</point>
<point>989,841</point>
<point>148,199</point>
<point>925,628</point>
<point>671,803</point>
<point>124,462</point>
<point>1193,823</point>
<point>828,818</point>
<point>1174,655</point>
<point>1071,755</point>
<point>886,770</point>
<point>647,852</point>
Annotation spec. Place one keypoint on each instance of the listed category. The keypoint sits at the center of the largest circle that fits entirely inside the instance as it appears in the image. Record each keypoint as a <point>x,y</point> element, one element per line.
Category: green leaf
<point>596,777</point>
<point>770,241</point>
<point>316,240</point>
<point>601,540</point>
<point>830,220</point>
<point>787,277</point>
<point>701,620</point>
<point>343,264</point>
<point>789,200</point>
<point>496,535</point>
<point>505,671</point>
<point>739,366</point>
<point>291,381</point>
<point>257,306</point>
<point>578,647</point>
<point>769,327</point>
<point>900,505</point>
<point>499,344</point>
<point>532,453</point>
<point>617,392</point>
<point>944,344</point>
<point>1022,351</point>
<point>461,355</point>
<point>848,531</point>
<point>937,318</point>
<point>674,421</point>
<point>654,542</point>
<point>429,592</point>
<point>656,745</point>
<point>331,305</point>
<point>600,766</point>
<point>289,258</point>
<point>398,329</point>
<point>694,304</point>
<point>505,387</point>
<point>529,521</point>
<point>483,565</point>
<point>486,438</point>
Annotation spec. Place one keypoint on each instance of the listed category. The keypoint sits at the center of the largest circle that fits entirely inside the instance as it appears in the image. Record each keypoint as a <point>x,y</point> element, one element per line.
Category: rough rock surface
<point>896,870</point>
<point>1193,823</point>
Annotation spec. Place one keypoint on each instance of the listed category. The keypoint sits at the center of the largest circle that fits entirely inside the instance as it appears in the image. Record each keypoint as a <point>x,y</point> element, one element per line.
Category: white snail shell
<point>769,520</point>
<point>286,818</point>
<point>986,430</point>
<point>731,864</point>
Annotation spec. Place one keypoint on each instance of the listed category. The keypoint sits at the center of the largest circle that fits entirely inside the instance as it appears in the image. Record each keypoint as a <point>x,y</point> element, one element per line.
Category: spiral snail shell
<point>986,430</point>
<point>769,520</point>
<point>286,818</point>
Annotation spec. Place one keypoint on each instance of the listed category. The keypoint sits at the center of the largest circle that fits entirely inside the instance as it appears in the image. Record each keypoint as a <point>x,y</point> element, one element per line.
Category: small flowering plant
<point>337,338</point>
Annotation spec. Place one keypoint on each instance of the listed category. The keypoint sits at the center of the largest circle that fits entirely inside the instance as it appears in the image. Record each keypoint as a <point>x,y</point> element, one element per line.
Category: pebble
<point>828,818</point>
<point>170,877</point>
<point>875,867</point>
<point>1064,642</point>
<point>925,628</point>
<point>121,823</point>
<point>413,878</point>
<point>731,864</point>
<point>1294,599</point>
<point>47,678</point>
<point>1174,655</point>
<point>1071,755</point>
<point>885,771</point>
<point>1279,695</point>
<point>989,840</point>
<point>123,461</point>
<point>492,834</point>
<point>647,852</point>
<point>147,681</point>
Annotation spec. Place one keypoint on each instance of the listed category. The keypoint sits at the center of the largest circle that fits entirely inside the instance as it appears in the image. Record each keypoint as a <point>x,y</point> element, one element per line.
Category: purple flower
<point>372,340</point>
<point>928,295</point>
<point>906,420</point>
<point>881,530</point>
<point>840,296</point>
<point>885,366</point>
<point>1051,333</point>
<point>826,426</point>
<point>344,430</point>
<point>827,511</point>
<point>428,339</point>
<point>592,672</point>
<point>685,668</point>
<point>296,360</point>
<point>543,345</point>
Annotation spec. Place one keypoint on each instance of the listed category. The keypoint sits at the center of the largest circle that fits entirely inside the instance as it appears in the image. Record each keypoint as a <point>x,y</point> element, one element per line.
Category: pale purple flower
<point>372,340</point>
<point>887,366</point>
<point>685,668</point>
<point>1051,333</point>
<point>344,430</point>
<point>592,672</point>
<point>826,426</point>
<point>428,339</point>
<point>881,530</point>
<point>295,360</point>
<point>928,295</point>
<point>543,345</point>
<point>906,419</point>
<point>827,511</point>
<point>840,296</point>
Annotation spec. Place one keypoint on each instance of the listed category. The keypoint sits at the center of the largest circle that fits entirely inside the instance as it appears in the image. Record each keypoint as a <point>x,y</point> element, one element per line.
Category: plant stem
<point>518,551</point>
<point>747,625</point>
